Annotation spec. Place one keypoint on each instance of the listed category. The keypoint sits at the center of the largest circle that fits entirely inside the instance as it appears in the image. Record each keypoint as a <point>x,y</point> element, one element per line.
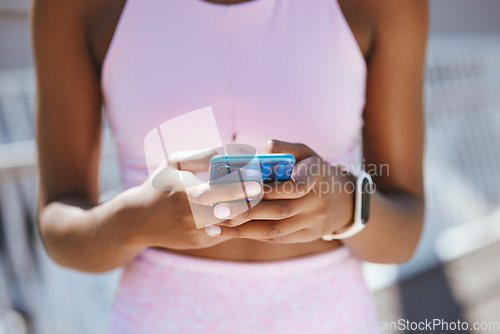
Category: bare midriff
<point>254,250</point>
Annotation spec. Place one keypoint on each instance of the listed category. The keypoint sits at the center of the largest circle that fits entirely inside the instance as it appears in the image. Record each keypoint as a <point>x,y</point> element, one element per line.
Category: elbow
<point>69,261</point>
<point>74,258</point>
<point>394,237</point>
<point>403,248</point>
<point>398,249</point>
<point>89,268</point>
<point>404,254</point>
<point>405,244</point>
<point>53,238</point>
<point>409,248</point>
<point>390,255</point>
<point>63,250</point>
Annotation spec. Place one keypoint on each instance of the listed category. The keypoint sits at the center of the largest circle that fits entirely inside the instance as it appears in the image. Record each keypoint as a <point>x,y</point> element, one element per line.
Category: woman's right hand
<point>172,207</point>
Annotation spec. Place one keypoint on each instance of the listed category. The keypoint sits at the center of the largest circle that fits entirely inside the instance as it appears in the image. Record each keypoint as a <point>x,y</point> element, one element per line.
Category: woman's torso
<point>306,52</point>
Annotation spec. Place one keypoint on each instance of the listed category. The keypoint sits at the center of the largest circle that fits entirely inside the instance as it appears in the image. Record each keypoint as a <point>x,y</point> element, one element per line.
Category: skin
<point>70,40</point>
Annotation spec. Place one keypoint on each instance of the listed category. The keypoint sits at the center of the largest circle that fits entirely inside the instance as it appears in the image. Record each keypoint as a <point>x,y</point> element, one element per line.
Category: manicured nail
<point>222,211</point>
<point>213,230</point>
<point>252,188</point>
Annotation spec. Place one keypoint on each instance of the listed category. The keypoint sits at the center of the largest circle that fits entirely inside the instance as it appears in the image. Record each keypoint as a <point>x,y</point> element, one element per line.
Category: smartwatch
<point>364,187</point>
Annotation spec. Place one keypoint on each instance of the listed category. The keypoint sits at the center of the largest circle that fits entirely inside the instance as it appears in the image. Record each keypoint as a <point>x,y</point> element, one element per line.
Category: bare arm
<point>393,135</point>
<point>394,132</point>
<point>77,231</point>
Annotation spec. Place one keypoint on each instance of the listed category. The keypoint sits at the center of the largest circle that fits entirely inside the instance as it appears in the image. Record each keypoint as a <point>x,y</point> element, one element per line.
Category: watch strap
<point>362,193</point>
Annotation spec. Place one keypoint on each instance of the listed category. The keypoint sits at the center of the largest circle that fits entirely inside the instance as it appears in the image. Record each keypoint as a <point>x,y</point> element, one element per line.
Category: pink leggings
<point>162,292</point>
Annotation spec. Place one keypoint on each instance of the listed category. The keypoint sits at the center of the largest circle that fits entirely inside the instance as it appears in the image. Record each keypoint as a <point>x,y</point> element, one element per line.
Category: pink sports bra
<point>271,69</point>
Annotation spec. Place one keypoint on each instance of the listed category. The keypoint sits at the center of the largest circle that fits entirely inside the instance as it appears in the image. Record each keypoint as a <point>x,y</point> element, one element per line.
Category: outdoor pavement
<point>466,289</point>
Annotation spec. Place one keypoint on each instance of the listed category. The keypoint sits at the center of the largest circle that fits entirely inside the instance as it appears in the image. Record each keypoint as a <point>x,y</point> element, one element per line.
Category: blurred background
<point>455,274</point>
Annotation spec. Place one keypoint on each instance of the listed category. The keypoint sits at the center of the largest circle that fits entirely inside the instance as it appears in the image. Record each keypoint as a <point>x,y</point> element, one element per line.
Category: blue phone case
<point>261,167</point>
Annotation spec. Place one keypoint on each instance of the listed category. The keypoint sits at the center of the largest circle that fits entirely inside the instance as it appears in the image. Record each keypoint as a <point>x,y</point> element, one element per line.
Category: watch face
<point>366,190</point>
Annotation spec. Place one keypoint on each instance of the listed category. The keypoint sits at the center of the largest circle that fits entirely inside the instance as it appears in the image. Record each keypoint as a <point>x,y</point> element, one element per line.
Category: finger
<point>204,215</point>
<point>195,239</point>
<point>209,194</point>
<point>272,210</point>
<point>299,151</point>
<point>289,189</point>
<point>193,161</point>
<point>166,178</point>
<point>305,175</point>
<point>224,210</point>
<point>260,228</point>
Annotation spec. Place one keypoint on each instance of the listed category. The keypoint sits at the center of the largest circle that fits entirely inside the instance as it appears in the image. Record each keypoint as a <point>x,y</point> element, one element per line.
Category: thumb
<point>182,163</point>
<point>193,161</point>
<point>299,151</point>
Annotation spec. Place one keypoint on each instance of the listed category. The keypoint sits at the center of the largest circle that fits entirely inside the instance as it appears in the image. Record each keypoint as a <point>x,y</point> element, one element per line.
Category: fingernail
<point>222,211</point>
<point>252,188</point>
<point>213,230</point>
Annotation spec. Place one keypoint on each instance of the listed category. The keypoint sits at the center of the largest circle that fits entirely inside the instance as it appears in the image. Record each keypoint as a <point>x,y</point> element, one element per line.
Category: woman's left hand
<point>318,199</point>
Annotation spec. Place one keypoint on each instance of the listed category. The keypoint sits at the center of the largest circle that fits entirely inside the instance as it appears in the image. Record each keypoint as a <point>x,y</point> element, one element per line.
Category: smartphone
<point>247,167</point>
